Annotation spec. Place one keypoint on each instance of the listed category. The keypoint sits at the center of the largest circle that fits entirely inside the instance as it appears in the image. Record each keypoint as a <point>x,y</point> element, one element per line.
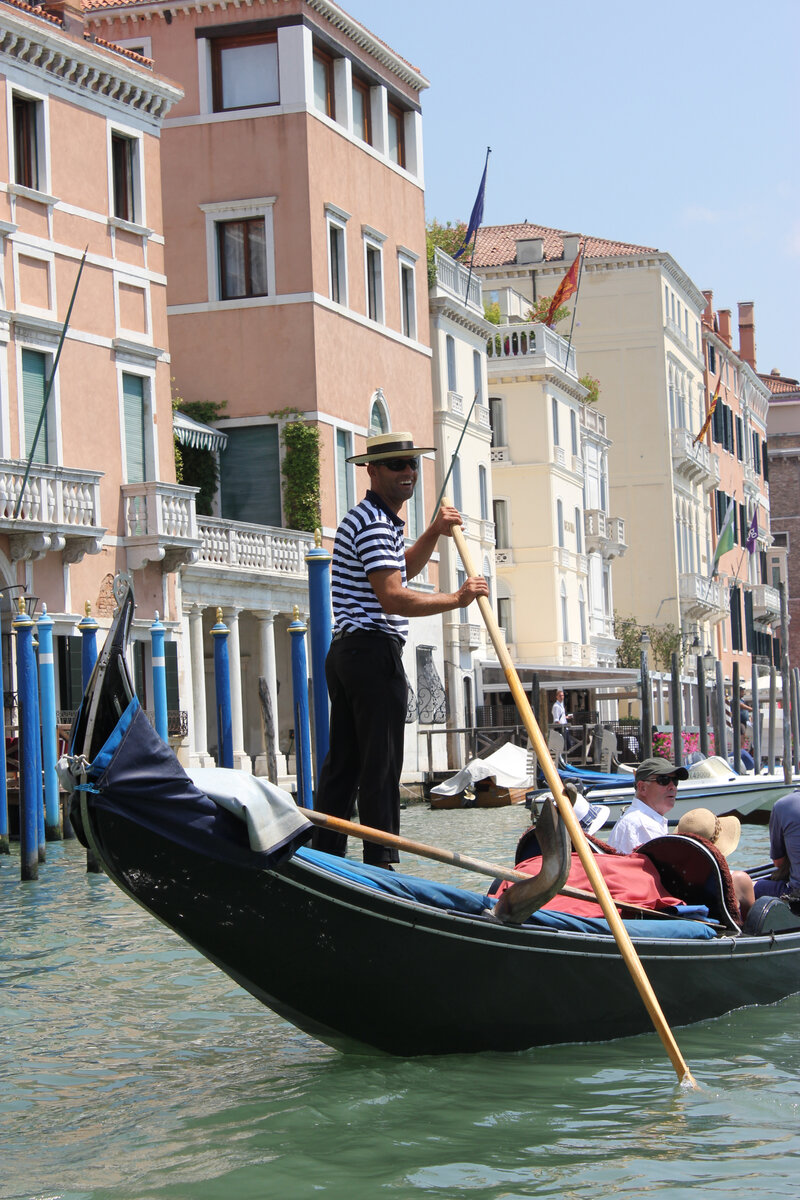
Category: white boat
<point>712,784</point>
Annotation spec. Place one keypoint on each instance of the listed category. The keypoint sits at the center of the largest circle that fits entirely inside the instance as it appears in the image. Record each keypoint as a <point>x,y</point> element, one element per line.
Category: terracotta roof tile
<point>34,9</point>
<point>781,385</point>
<point>496,245</point>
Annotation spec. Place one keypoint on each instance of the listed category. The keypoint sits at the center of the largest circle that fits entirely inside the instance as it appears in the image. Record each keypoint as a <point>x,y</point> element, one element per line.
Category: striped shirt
<point>369,538</point>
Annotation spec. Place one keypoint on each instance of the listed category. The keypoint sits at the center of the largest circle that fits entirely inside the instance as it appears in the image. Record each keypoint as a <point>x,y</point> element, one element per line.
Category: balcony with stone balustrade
<point>701,598</point>
<point>257,549</point>
<point>529,345</point>
<point>59,511</point>
<point>160,525</point>
<point>766,603</point>
<point>694,462</point>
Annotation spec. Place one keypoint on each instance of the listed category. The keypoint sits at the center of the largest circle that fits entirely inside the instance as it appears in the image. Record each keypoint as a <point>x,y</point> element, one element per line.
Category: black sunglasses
<point>661,780</point>
<point>400,464</point>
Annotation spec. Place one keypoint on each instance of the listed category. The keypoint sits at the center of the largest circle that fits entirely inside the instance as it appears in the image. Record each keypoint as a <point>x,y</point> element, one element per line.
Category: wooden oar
<point>597,881</point>
<point>455,859</point>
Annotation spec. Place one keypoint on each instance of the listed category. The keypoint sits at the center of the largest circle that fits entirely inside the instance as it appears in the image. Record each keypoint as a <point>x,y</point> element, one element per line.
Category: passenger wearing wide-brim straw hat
<point>723,832</point>
<point>389,445</point>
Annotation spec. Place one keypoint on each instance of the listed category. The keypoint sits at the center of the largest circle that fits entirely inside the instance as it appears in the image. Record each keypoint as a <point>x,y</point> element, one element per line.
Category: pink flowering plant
<point>662,744</point>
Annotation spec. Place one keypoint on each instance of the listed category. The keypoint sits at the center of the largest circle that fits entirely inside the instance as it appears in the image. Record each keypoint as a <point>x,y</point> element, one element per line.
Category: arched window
<point>379,415</point>
<point>578,538</point>
<point>573,425</point>
<point>582,615</point>
<point>555,422</point>
<point>564,613</point>
<point>560,521</point>
<point>477,376</point>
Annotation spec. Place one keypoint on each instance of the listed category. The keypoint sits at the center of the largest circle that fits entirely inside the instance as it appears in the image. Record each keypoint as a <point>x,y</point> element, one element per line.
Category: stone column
<point>241,761</point>
<point>268,671</point>
<point>196,669</point>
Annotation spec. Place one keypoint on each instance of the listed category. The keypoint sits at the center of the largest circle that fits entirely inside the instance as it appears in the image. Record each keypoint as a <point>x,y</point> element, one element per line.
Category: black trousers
<point>368,691</point>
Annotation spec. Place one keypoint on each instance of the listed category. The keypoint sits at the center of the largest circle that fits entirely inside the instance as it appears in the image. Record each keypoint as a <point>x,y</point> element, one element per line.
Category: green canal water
<point>131,1069</point>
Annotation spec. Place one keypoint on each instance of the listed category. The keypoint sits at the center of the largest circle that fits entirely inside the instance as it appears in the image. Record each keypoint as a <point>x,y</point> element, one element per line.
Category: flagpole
<point>577,294</point>
<point>475,235</point>
<point>453,457</point>
<point>49,389</point>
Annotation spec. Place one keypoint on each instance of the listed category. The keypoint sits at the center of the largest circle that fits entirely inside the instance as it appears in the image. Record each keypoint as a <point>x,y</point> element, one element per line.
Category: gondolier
<point>364,669</point>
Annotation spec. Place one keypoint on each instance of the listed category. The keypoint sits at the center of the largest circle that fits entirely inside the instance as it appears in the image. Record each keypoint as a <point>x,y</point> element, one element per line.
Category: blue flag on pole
<point>476,216</point>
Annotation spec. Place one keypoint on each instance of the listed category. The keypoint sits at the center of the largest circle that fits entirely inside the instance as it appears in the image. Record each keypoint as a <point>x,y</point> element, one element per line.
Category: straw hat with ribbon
<point>723,832</point>
<point>389,445</point>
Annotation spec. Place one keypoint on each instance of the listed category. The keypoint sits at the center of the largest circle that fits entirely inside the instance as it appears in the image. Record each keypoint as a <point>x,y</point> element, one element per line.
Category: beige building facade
<point>638,333</point>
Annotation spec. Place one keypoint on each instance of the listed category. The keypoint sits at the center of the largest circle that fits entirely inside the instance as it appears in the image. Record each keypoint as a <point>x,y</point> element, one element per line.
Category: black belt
<point>341,634</point>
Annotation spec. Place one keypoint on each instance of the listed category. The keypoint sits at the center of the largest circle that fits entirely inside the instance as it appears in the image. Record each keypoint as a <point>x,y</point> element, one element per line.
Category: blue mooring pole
<point>319,595</point>
<point>47,694</point>
<point>30,795</point>
<point>302,734</point>
<point>159,679</point>
<point>87,627</point>
<point>222,684</point>
<point>4,839</point>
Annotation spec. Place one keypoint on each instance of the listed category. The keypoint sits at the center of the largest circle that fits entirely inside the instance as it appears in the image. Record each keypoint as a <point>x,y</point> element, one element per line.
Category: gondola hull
<point>358,969</point>
<point>361,968</point>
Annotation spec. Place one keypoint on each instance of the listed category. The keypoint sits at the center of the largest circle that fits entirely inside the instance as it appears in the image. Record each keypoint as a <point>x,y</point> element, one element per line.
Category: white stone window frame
<point>349,468</point>
<point>134,335</point>
<point>336,219</point>
<point>136,138</point>
<point>378,399</point>
<point>238,210</point>
<point>45,343</point>
<point>205,79</point>
<point>374,241</point>
<point>407,264</point>
<point>22,249</point>
<point>42,192</point>
<point>135,366</point>
<point>142,45</point>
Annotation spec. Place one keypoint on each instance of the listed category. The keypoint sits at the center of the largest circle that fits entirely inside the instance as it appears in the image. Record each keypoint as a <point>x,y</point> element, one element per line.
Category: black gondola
<point>366,959</point>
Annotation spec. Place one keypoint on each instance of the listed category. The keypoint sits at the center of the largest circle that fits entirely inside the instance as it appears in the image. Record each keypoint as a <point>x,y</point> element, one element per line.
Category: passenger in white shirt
<point>656,789</point>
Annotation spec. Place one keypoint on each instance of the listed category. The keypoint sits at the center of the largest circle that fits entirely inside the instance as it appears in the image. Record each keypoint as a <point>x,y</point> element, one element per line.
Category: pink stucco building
<point>80,169</point>
<point>295,259</point>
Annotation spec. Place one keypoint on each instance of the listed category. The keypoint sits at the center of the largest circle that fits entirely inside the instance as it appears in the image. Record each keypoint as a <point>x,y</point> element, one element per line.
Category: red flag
<point>568,287</point>
<point>710,413</point>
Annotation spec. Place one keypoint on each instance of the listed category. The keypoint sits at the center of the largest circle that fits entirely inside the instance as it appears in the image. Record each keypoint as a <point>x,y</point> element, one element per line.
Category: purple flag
<point>752,533</point>
<point>476,216</point>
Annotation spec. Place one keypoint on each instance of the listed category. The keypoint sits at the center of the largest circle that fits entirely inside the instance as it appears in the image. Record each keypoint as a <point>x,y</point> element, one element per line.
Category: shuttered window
<point>70,671</point>
<point>34,378</point>
<point>133,404</point>
<point>250,475</point>
<point>345,488</point>
<point>171,672</point>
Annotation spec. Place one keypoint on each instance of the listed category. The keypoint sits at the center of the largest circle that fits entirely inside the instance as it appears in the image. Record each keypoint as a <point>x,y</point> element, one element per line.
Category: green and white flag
<point>725,539</point>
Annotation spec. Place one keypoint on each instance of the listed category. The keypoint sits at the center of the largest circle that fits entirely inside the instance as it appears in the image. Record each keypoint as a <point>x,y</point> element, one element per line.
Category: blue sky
<point>673,126</point>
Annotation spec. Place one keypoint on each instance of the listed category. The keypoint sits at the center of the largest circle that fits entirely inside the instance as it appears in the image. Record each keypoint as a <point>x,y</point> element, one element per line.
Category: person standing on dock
<point>364,669</point>
<point>656,789</point>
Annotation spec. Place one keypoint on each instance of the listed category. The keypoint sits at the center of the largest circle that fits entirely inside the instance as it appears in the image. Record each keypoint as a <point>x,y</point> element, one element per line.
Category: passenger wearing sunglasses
<point>656,788</point>
<point>364,670</point>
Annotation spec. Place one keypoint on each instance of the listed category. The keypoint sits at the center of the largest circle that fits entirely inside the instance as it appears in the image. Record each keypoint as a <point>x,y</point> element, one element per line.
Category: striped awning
<point>197,435</point>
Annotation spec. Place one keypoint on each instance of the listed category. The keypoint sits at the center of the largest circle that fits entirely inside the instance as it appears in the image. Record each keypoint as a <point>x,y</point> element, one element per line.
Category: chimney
<point>530,250</point>
<point>572,243</point>
<point>708,311</point>
<point>724,315</point>
<point>747,333</point>
<point>69,12</point>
